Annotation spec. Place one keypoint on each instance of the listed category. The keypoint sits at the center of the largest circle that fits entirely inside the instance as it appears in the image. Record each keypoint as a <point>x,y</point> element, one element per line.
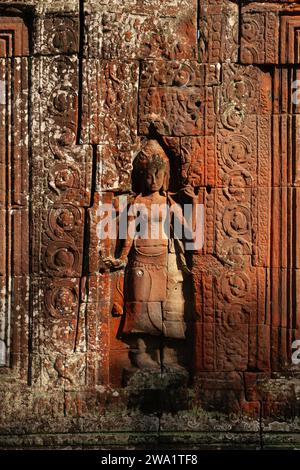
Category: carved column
<point>279,26</point>
<point>61,195</point>
<point>14,197</point>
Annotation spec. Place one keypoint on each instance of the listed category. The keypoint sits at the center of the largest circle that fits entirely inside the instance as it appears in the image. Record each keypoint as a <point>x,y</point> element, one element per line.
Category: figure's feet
<point>173,368</point>
<point>142,360</point>
<point>170,362</point>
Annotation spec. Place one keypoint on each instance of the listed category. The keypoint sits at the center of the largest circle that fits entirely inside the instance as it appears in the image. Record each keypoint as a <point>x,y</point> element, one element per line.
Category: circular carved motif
<point>61,141</point>
<point>232,252</point>
<point>235,183</point>
<point>63,100</point>
<point>236,149</point>
<point>62,258</point>
<point>61,301</point>
<point>64,219</point>
<point>64,177</point>
<point>233,117</point>
<point>240,90</point>
<point>234,286</point>
<point>183,76</point>
<point>250,30</point>
<point>64,39</point>
<point>236,220</point>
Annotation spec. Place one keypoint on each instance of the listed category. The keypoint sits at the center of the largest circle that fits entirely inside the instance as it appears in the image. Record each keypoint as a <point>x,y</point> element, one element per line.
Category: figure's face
<point>155,179</point>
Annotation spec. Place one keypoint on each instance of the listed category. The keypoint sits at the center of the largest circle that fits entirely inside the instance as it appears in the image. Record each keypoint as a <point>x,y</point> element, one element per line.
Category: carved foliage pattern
<point>244,100</point>
<point>179,101</point>
<point>64,171</point>
<point>142,31</point>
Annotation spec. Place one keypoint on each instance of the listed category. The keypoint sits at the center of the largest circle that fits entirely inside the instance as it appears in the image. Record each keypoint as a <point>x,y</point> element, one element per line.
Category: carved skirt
<point>152,303</point>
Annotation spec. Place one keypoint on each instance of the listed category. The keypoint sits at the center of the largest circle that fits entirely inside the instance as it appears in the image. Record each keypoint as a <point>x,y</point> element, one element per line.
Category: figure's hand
<point>188,192</point>
<point>114,263</point>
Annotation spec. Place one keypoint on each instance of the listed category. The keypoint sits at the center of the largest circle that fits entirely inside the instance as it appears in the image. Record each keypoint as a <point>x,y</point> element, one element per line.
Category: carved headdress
<point>152,156</point>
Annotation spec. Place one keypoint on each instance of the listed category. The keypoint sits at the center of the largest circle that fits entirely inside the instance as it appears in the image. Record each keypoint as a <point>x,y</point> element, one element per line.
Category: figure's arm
<point>121,261</point>
<point>127,242</point>
<point>187,196</point>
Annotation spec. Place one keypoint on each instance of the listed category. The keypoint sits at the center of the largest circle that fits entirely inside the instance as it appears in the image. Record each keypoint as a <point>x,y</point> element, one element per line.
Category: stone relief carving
<point>156,294</point>
<point>217,111</point>
<point>14,184</point>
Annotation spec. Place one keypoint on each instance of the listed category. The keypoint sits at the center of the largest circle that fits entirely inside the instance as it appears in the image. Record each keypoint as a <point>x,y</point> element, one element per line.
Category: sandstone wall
<point>82,84</point>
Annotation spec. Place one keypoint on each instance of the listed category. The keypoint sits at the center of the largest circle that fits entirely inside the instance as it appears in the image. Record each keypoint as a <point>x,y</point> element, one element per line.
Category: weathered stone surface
<point>135,30</point>
<point>109,101</point>
<point>56,34</point>
<point>199,420</point>
<point>213,441</point>
<point>180,104</point>
<point>269,33</point>
<point>14,187</point>
<point>218,31</point>
<point>87,91</point>
<point>259,34</point>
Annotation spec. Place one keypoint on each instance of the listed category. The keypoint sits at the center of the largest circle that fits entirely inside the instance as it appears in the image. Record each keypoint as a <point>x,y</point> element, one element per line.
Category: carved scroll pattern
<point>64,173</point>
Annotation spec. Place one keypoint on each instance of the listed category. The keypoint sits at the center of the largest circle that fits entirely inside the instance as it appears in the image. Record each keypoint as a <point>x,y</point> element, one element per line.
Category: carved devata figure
<point>156,294</point>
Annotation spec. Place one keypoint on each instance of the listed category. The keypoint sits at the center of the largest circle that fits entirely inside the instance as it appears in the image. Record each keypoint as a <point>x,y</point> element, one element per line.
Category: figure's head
<point>151,168</point>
